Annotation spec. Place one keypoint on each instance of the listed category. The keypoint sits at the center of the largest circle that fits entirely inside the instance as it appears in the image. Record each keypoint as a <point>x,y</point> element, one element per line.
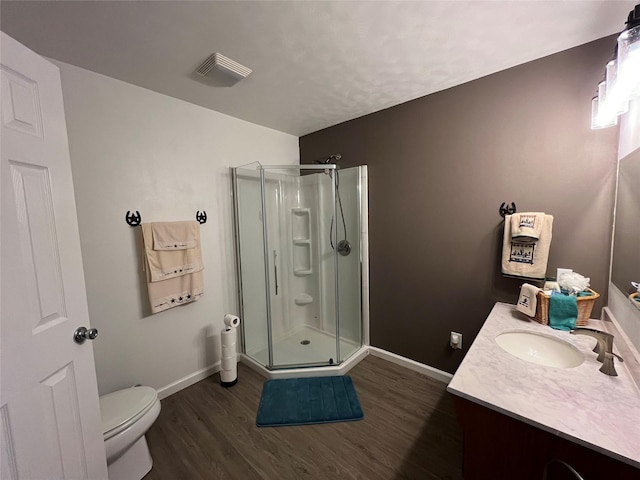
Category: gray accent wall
<point>439,168</point>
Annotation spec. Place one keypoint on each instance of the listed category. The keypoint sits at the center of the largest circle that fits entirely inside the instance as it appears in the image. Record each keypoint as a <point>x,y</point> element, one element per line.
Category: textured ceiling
<point>315,64</point>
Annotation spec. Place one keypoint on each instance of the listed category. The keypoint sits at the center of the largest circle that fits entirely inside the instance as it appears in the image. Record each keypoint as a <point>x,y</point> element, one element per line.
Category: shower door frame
<point>320,168</point>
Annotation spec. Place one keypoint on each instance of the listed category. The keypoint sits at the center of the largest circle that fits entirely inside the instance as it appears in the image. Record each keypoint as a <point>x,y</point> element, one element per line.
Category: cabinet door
<point>499,447</point>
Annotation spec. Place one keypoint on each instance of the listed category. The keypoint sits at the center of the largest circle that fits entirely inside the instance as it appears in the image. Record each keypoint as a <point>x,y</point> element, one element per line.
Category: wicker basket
<point>585,305</point>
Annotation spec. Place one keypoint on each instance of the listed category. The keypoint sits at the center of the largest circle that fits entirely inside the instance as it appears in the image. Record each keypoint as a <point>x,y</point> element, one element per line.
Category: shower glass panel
<point>252,282</point>
<point>300,297</point>
<point>349,275</point>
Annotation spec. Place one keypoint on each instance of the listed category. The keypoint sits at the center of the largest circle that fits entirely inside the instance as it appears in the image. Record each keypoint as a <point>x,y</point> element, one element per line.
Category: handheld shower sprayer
<point>343,247</point>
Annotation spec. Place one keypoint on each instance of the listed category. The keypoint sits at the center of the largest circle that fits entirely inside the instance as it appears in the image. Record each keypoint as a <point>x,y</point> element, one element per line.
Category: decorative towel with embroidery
<point>175,291</point>
<point>526,259</point>
<point>527,226</point>
<point>528,299</point>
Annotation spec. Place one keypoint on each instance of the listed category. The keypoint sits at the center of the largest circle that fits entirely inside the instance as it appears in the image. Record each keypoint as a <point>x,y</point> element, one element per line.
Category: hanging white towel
<point>528,299</point>
<point>175,291</point>
<point>526,227</point>
<point>526,259</point>
<point>165,264</point>
<point>175,235</point>
<point>173,277</point>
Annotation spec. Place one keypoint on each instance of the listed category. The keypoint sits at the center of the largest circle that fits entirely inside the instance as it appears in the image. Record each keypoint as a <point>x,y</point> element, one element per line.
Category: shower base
<point>294,351</point>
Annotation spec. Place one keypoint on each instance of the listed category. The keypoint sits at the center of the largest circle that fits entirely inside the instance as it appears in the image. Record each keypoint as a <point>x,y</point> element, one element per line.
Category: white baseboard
<point>432,372</point>
<point>421,368</point>
<point>187,381</point>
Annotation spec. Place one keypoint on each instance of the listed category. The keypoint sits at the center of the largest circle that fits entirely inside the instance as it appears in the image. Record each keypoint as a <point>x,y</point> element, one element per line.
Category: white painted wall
<point>134,149</point>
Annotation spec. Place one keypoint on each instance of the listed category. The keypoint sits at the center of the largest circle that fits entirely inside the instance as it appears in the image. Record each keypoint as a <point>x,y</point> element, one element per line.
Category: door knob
<point>82,333</point>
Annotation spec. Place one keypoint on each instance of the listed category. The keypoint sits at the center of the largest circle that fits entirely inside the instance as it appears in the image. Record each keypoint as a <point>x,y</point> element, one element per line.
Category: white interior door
<point>49,411</point>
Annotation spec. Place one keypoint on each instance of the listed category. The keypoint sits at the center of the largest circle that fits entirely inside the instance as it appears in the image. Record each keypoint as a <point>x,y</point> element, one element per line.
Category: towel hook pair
<point>134,219</point>
<point>507,209</point>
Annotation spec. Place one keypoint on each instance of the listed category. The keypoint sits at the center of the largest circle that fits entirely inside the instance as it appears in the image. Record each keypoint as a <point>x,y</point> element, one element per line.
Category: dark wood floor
<point>409,431</point>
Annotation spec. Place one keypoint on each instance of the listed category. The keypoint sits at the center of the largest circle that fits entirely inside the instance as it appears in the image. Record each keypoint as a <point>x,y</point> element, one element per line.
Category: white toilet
<point>126,416</point>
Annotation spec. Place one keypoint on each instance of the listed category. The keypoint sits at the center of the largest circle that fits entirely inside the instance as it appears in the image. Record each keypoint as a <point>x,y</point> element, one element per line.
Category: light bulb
<point>628,74</point>
<point>602,114</point>
<point>618,102</point>
<point>597,120</point>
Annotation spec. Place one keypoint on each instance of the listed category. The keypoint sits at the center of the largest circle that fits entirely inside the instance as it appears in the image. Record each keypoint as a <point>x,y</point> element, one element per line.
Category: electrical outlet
<point>455,341</point>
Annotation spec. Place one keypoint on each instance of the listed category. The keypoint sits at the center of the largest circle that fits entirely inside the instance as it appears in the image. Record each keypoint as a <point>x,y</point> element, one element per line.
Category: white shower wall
<point>283,195</point>
<point>350,274</point>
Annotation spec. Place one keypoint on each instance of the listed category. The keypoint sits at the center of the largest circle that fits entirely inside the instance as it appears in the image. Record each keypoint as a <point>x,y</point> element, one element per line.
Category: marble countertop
<point>581,404</point>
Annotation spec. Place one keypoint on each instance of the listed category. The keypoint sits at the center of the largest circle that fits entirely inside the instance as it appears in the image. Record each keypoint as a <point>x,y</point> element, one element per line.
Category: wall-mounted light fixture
<point>622,77</point>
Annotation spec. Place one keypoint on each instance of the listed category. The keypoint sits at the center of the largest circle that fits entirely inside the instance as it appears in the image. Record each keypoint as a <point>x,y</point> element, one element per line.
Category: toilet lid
<point>119,409</point>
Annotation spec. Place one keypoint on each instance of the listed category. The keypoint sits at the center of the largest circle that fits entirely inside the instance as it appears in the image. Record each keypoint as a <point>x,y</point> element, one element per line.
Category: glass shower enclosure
<point>298,252</point>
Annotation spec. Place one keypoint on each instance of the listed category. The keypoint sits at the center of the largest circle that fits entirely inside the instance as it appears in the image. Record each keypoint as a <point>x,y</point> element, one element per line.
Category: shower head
<point>330,159</point>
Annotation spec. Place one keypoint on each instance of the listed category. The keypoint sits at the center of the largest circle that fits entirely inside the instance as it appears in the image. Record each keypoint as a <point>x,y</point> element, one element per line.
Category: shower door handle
<point>275,268</point>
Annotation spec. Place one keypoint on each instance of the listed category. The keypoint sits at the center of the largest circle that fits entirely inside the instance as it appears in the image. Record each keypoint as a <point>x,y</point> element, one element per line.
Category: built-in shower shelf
<point>303,299</point>
<point>300,223</point>
<point>301,239</point>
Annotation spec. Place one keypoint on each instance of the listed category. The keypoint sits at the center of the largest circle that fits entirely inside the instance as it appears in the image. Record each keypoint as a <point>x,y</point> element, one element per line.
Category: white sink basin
<point>541,349</point>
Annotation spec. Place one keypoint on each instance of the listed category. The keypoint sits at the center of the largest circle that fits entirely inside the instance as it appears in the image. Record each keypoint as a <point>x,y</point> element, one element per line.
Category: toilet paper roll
<point>228,336</point>
<point>231,320</point>
<point>229,363</point>
<point>229,350</point>
<point>228,375</point>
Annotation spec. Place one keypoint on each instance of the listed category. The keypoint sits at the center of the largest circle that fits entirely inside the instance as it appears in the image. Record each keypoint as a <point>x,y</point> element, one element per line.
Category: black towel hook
<point>507,209</point>
<point>201,217</point>
<point>133,219</point>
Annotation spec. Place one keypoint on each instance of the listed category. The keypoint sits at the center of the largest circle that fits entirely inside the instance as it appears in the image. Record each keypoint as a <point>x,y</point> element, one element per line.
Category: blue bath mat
<point>303,401</point>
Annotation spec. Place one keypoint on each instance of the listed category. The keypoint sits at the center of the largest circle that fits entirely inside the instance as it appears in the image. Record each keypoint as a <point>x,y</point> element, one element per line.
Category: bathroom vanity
<point>517,416</point>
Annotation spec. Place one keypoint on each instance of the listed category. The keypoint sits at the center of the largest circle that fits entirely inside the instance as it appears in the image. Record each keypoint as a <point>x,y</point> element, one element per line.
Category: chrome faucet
<point>604,348</point>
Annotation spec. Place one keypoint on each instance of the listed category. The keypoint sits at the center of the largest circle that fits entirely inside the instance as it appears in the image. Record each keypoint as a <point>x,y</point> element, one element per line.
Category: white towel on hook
<point>175,291</point>
<point>175,235</point>
<point>173,277</point>
<point>165,264</point>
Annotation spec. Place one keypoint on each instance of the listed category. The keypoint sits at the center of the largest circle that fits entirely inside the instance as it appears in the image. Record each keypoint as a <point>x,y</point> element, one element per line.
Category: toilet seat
<point>119,410</point>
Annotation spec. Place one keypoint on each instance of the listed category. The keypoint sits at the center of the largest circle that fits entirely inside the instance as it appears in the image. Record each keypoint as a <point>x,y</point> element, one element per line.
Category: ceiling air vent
<point>219,63</point>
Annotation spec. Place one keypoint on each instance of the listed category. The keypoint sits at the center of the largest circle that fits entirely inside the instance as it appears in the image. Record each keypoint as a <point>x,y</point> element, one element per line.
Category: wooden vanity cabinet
<point>499,447</point>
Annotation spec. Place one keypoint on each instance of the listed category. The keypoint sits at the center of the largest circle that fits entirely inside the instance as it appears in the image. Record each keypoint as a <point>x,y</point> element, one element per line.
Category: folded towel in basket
<point>563,311</point>
<point>528,299</point>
